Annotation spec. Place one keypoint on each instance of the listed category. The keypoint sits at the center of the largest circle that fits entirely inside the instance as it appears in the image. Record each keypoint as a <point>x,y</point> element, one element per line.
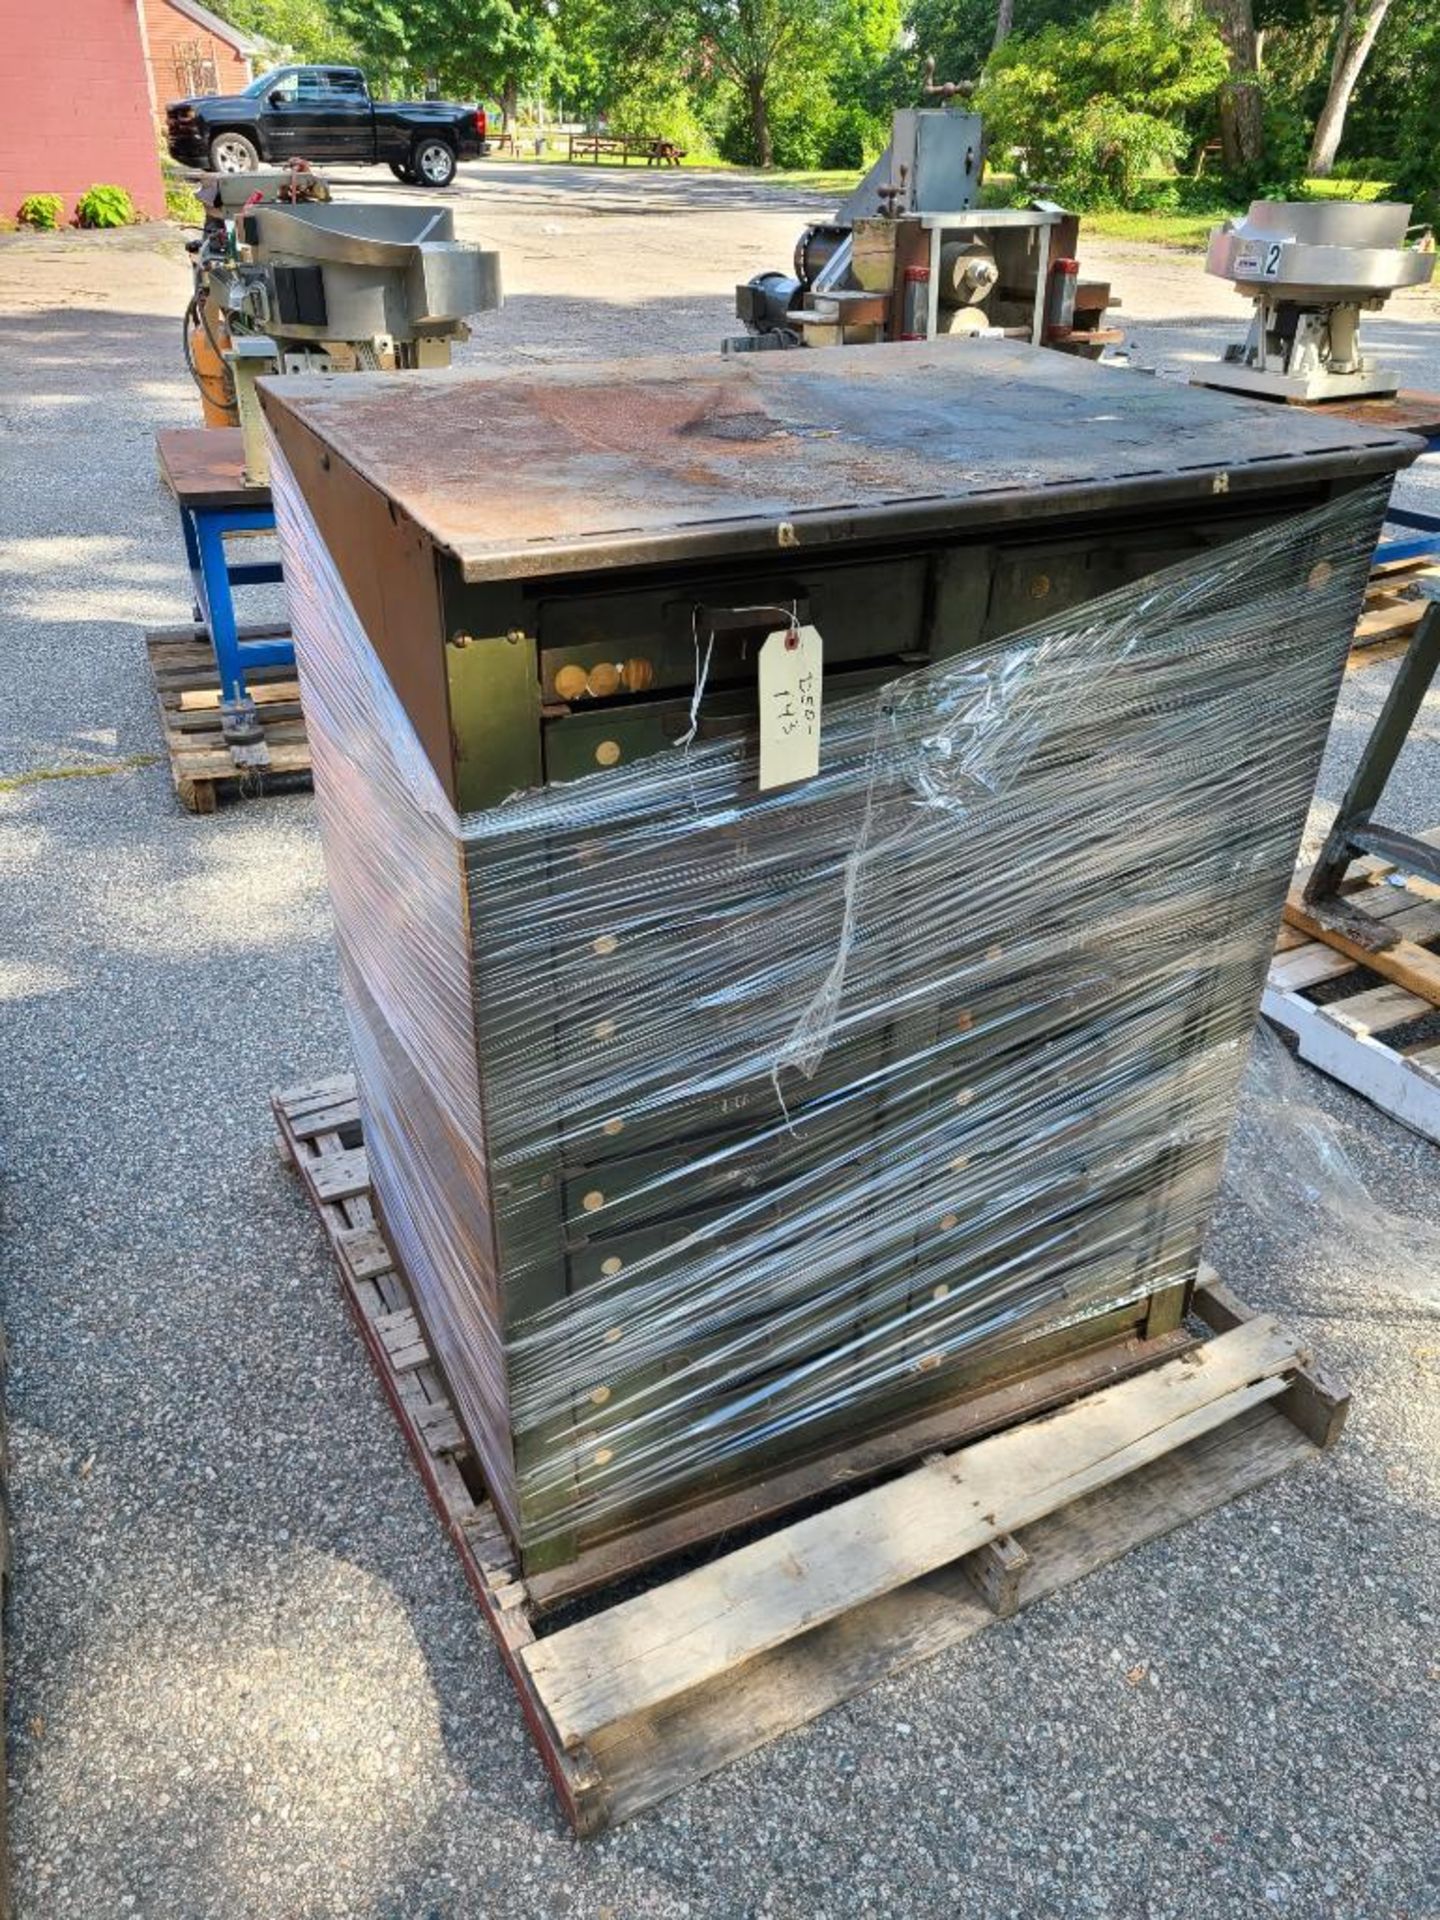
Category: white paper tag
<point>791,664</point>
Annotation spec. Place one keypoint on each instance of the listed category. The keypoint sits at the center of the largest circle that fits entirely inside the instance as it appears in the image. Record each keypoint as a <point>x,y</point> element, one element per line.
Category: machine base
<point>1373,382</point>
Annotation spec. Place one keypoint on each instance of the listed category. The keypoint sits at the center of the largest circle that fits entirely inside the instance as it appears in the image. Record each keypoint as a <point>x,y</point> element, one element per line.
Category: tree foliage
<point>296,29</point>
<point>1094,96</point>
<point>1087,110</point>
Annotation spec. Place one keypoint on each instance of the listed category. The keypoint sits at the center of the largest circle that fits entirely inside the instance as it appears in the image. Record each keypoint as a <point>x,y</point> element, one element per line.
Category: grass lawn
<point>1183,231</point>
<point>1187,231</point>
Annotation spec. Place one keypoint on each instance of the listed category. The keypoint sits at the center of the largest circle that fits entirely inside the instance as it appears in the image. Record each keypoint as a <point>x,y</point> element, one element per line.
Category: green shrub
<point>104,206</point>
<point>1094,106</point>
<point>1366,167</point>
<point>182,205</point>
<point>41,211</point>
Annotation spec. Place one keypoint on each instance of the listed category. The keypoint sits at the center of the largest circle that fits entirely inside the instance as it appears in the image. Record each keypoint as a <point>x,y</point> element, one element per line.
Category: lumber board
<point>646,1759</point>
<point>1307,965</point>
<point>1408,964</point>
<point>263,693</point>
<point>664,1643</point>
<point>1377,1010</point>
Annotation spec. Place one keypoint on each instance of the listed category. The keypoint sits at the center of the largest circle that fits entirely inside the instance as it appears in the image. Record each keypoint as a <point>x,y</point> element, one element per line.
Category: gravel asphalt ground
<point>246,1679</point>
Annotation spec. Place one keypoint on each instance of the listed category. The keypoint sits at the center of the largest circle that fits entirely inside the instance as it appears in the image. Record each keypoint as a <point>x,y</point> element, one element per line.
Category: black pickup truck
<point>324,114</point>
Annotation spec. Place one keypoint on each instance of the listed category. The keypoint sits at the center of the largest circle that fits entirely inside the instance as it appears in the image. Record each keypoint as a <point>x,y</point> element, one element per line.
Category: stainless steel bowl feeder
<point>317,288</point>
<point>1312,268</point>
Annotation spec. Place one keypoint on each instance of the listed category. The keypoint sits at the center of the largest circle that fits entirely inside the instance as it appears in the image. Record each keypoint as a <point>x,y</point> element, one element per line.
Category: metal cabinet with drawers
<point>654,1259</point>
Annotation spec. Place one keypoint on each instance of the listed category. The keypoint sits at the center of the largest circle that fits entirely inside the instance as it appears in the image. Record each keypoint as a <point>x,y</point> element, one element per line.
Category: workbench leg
<point>220,610</point>
<point>1382,750</point>
<point>192,558</point>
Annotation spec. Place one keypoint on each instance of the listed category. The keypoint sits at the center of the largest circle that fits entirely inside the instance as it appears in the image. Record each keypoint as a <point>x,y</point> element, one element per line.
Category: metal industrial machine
<point>910,254</point>
<point>286,282</point>
<point>1311,269</point>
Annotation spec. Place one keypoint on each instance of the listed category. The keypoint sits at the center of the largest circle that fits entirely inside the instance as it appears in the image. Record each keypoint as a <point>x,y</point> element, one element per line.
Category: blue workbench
<point>204,468</point>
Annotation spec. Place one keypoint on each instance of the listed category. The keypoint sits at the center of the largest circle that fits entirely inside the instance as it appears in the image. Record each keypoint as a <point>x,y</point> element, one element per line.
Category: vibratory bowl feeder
<point>1312,268</point>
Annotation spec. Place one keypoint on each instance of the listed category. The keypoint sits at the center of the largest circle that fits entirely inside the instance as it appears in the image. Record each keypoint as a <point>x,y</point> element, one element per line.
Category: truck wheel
<point>233,153</point>
<point>403,170</point>
<point>434,163</point>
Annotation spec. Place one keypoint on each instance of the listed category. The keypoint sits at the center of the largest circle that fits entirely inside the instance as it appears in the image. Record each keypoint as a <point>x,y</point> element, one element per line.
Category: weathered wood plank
<point>670,1640</point>
<point>343,1113</point>
<point>364,1253</point>
<point>295,1102</point>
<point>263,693</point>
<point>646,1759</point>
<point>1377,1010</point>
<point>1409,965</point>
<point>1308,965</point>
<point>334,1176</point>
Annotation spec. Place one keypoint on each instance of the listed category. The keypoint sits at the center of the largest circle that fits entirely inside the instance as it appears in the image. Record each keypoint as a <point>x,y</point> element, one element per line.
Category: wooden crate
<point>657,1686</point>
<point>187,689</point>
<point>1370,1020</point>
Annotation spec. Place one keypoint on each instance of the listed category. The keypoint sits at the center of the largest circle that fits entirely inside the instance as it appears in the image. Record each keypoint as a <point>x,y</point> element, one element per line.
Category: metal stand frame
<point>1355,831</point>
<point>215,577</point>
<point>981,220</point>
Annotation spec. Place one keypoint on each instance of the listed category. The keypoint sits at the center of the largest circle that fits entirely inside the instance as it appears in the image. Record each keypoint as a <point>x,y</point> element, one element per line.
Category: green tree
<point>762,47</point>
<point>1415,128</point>
<point>468,48</point>
<point>296,29</point>
<point>1092,107</point>
<point>961,35</point>
<point>1355,35</point>
<point>1242,115</point>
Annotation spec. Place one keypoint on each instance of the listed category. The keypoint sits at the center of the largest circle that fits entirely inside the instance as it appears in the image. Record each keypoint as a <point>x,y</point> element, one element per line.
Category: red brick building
<point>192,50</point>
<point>75,103</point>
<point>83,87</point>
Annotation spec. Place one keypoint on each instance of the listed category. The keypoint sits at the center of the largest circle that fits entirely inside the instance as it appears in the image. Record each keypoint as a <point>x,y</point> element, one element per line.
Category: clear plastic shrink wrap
<point>788,1099</point>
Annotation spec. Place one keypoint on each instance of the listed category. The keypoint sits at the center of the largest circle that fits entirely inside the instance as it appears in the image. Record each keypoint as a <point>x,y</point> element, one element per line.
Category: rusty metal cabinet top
<point>598,465</point>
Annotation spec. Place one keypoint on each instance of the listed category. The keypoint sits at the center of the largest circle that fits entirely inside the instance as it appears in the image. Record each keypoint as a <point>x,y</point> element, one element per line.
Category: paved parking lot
<point>246,1680</point>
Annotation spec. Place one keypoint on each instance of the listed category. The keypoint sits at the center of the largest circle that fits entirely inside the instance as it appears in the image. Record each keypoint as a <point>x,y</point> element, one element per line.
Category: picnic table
<point>598,146</point>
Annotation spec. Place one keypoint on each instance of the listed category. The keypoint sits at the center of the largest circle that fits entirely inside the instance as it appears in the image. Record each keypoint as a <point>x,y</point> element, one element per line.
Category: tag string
<point>791,614</point>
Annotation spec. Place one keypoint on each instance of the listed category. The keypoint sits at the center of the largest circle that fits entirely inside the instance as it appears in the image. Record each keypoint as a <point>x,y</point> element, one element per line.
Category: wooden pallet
<point>654,1690</point>
<point>1369,1020</point>
<point>1393,609</point>
<point>188,690</point>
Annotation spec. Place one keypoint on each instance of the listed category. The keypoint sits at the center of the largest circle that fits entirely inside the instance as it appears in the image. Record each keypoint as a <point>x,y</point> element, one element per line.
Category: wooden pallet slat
<point>652,1694</point>
<point>1394,607</point>
<point>638,1654</point>
<point>1376,1010</point>
<point>644,1760</point>
<point>1407,963</point>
